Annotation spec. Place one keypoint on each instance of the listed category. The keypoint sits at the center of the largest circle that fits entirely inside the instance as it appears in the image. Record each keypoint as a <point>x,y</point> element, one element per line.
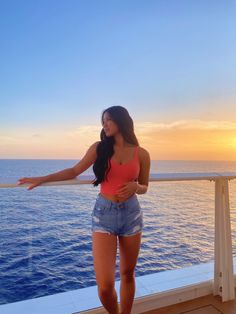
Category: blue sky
<point>63,62</point>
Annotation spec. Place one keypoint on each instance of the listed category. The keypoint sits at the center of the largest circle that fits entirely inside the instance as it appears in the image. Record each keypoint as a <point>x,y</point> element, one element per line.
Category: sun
<point>233,142</point>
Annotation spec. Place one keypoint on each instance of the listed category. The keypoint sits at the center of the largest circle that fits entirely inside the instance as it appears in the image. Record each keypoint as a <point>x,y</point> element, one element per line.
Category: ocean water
<point>45,235</point>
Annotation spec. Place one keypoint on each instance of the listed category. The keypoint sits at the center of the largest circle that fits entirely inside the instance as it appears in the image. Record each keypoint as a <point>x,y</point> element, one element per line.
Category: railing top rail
<point>172,176</point>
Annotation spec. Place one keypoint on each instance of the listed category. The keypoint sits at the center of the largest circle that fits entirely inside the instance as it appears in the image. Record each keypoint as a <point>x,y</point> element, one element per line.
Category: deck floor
<point>204,305</point>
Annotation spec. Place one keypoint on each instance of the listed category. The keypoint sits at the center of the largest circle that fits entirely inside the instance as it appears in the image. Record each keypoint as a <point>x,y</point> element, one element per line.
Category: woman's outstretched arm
<point>66,174</point>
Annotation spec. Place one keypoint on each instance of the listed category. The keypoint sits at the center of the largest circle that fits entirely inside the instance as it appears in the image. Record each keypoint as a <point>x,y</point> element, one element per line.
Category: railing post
<point>223,263</point>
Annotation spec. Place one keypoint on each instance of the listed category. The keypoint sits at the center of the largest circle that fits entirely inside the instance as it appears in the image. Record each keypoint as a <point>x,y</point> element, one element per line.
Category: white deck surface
<point>87,298</point>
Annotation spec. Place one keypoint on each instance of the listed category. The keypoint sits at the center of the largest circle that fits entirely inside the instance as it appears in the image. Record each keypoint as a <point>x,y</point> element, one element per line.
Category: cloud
<point>85,130</point>
<point>193,124</point>
<point>164,132</point>
<point>7,139</point>
<point>36,135</point>
<point>193,138</point>
<point>186,135</point>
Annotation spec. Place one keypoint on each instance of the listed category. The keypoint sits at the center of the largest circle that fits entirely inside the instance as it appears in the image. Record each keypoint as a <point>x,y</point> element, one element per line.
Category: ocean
<point>45,235</point>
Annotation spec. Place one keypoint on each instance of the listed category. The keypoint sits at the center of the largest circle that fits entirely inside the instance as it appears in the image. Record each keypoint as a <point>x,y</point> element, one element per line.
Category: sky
<point>171,64</point>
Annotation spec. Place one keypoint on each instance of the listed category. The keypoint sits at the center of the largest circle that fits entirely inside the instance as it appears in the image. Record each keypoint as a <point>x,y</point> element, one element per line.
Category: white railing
<point>223,283</point>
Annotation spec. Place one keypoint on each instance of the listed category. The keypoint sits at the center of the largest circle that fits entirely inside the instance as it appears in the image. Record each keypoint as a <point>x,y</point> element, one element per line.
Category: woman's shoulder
<point>95,144</point>
<point>142,150</point>
<point>143,153</point>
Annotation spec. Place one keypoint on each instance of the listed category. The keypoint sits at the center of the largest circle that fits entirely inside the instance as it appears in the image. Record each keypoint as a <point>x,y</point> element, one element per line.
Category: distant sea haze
<point>45,233</point>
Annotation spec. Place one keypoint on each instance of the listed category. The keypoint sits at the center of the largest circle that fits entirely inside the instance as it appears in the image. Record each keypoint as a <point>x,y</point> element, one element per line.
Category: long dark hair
<point>105,148</point>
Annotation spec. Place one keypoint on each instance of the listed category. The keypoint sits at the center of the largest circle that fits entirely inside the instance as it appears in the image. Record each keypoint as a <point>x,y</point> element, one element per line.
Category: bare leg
<point>129,249</point>
<point>104,247</point>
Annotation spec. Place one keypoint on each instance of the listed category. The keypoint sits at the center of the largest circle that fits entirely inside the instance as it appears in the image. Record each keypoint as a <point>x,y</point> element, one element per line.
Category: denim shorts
<point>118,218</point>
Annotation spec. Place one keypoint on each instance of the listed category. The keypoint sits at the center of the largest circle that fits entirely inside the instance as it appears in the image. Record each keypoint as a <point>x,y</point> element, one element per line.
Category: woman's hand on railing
<point>34,180</point>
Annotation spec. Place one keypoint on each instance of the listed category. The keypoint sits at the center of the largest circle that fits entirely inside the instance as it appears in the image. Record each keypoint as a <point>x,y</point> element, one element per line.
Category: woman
<point>121,167</point>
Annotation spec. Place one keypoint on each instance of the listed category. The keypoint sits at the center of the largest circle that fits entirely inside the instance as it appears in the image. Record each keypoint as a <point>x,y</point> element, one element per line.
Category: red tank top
<point>120,174</point>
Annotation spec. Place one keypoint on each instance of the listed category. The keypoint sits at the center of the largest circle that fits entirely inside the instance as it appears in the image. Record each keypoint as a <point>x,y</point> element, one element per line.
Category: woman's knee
<point>105,288</point>
<point>127,275</point>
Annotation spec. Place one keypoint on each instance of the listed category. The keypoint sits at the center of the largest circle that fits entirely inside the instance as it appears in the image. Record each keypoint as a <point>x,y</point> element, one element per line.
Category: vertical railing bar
<point>223,284</point>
